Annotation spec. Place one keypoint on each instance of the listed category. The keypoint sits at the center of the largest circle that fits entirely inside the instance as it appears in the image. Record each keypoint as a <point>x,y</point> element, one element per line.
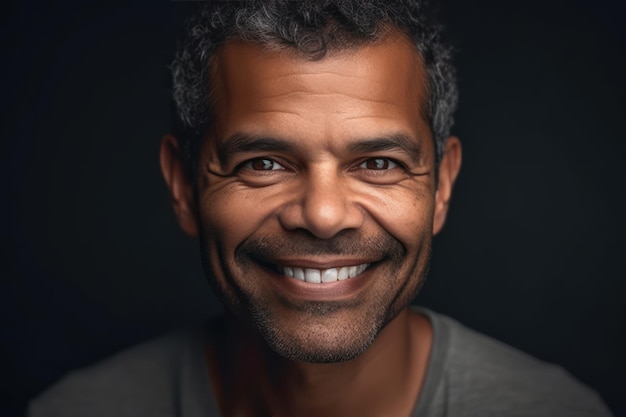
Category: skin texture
<point>317,164</point>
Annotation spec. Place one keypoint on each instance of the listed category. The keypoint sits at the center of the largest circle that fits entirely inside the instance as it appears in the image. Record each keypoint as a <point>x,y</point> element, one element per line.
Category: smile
<point>323,275</point>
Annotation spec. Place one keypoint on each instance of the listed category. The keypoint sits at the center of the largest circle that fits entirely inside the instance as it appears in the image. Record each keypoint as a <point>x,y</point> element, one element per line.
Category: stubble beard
<point>319,334</point>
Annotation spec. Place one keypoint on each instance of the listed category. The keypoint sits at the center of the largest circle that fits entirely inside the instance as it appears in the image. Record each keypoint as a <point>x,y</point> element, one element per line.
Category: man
<point>314,162</point>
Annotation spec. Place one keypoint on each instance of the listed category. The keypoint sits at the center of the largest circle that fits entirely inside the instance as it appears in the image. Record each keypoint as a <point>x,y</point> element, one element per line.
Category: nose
<point>324,206</point>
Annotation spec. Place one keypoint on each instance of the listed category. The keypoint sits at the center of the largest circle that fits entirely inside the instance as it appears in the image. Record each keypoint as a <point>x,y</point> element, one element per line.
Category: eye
<point>263,164</point>
<point>378,164</point>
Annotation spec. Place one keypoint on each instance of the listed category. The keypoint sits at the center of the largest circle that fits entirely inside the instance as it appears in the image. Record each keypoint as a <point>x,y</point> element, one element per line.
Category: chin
<point>318,348</point>
<point>325,335</point>
<point>320,354</point>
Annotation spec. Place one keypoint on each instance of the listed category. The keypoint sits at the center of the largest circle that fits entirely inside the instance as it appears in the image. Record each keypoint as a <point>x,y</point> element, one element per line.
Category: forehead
<point>376,84</point>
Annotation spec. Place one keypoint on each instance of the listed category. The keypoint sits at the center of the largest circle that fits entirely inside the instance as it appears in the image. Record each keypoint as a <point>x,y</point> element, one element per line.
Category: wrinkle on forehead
<point>285,71</point>
<point>309,95</point>
<point>378,87</point>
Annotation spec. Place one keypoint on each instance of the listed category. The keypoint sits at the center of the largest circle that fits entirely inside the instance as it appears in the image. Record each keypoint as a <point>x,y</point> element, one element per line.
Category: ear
<point>180,187</point>
<point>448,170</point>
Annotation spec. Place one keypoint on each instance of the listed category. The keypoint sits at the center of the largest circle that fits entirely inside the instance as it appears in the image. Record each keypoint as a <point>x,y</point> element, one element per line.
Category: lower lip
<point>324,291</point>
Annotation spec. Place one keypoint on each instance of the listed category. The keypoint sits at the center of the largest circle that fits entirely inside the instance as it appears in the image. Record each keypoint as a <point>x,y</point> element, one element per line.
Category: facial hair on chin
<point>257,250</point>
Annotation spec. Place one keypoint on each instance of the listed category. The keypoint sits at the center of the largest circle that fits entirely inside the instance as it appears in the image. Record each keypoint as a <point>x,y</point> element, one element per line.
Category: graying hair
<point>313,28</point>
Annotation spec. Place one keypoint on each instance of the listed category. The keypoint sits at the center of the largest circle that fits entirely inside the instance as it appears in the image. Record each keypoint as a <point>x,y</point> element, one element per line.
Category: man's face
<point>318,171</point>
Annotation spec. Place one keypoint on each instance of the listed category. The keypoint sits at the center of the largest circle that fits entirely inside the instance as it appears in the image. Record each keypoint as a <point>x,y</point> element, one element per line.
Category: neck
<point>250,379</point>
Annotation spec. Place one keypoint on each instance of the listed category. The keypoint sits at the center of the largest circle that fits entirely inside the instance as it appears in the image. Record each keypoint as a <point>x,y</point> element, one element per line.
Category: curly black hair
<point>313,28</point>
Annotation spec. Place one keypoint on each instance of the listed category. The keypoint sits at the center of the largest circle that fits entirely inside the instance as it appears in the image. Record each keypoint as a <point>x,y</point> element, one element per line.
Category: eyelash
<point>252,161</point>
<point>390,161</point>
<point>357,168</point>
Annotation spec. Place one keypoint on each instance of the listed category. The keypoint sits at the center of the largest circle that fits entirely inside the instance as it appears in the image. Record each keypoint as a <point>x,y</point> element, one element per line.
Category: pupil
<point>379,164</point>
<point>263,164</point>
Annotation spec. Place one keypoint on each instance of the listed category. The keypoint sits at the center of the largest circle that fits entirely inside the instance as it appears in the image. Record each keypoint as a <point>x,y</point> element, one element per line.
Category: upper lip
<point>321,263</point>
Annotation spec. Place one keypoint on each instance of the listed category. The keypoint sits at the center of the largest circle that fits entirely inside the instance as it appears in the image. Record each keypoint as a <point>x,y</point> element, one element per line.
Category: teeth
<point>329,275</point>
<point>352,272</point>
<point>343,274</point>
<point>312,275</point>
<point>325,275</point>
<point>298,273</point>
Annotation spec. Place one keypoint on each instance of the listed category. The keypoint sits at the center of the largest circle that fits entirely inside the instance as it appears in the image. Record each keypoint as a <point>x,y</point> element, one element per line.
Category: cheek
<point>406,213</point>
<point>230,213</point>
<point>225,217</point>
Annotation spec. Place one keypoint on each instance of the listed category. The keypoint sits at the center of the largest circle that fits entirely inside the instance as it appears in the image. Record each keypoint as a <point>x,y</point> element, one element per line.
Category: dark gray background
<point>92,260</point>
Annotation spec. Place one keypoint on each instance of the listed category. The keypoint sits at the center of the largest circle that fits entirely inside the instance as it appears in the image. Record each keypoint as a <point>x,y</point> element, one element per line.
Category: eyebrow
<point>394,142</point>
<point>247,143</point>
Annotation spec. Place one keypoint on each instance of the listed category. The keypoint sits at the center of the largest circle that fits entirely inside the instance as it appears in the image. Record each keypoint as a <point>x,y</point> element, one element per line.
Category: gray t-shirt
<point>469,374</point>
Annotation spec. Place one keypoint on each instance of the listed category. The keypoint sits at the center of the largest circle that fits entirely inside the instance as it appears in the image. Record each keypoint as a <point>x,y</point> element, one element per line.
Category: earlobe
<point>449,168</point>
<point>180,187</point>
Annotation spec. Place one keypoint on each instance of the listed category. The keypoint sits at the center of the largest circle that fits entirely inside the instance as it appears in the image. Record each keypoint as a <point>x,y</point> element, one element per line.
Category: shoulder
<point>136,381</point>
<point>481,373</point>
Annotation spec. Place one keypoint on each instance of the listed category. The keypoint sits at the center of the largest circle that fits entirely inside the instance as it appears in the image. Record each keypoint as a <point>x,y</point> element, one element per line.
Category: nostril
<point>323,206</point>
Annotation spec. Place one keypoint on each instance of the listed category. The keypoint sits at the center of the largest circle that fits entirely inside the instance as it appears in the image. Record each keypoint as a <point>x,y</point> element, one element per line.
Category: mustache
<point>300,244</point>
